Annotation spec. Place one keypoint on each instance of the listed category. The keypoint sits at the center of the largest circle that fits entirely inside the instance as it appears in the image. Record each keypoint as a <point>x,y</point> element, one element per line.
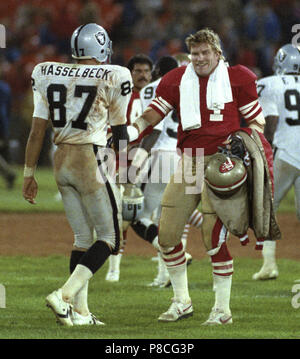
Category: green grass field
<point>130,308</point>
<point>261,310</point>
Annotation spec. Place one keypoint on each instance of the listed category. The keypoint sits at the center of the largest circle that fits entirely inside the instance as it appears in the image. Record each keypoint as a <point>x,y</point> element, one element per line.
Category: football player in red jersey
<point>210,98</point>
<point>140,67</point>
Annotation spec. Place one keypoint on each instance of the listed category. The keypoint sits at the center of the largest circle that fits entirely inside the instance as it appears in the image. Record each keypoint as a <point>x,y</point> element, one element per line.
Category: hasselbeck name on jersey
<point>74,71</point>
<point>81,100</point>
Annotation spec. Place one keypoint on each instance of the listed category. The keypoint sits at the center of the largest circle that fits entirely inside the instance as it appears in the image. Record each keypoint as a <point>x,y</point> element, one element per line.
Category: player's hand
<point>235,145</point>
<point>30,188</point>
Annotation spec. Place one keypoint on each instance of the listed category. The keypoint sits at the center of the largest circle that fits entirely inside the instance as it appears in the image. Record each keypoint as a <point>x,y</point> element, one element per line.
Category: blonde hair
<point>207,36</point>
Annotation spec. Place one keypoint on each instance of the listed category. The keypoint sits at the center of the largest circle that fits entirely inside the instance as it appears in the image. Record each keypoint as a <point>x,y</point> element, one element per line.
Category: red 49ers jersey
<point>134,109</point>
<point>212,133</point>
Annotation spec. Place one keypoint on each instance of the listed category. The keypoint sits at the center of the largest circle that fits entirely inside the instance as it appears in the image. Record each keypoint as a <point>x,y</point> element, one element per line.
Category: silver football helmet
<point>182,58</point>
<point>132,202</point>
<point>287,60</point>
<point>91,41</point>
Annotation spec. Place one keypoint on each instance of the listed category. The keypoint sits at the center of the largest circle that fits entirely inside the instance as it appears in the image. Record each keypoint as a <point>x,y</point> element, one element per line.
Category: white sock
<point>77,280</point>
<point>155,243</point>
<point>162,269</point>
<point>269,252</point>
<point>146,222</point>
<point>178,277</point>
<point>114,262</point>
<point>80,302</point>
<point>222,288</point>
<point>175,262</point>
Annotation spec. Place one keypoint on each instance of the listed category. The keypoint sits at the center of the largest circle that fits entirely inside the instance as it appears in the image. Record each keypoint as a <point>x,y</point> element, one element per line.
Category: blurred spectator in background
<point>288,12</point>
<point>251,31</point>
<point>230,40</point>
<point>5,104</point>
<point>263,29</point>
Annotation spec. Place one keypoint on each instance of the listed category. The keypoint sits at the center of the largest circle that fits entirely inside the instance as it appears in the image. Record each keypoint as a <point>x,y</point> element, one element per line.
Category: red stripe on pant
<point>223,254</point>
<point>176,249</point>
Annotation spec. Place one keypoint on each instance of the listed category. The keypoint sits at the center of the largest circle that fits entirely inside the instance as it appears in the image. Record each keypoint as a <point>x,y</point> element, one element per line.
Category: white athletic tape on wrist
<point>133,133</point>
<point>29,171</point>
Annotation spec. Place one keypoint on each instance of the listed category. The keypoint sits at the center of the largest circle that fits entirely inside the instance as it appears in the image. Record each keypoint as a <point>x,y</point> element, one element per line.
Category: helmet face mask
<point>287,60</point>
<point>91,41</point>
<point>224,174</point>
<point>183,59</point>
<point>132,202</point>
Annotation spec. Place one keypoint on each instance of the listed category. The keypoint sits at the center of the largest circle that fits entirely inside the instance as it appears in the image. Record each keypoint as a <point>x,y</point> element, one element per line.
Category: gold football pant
<point>178,205</point>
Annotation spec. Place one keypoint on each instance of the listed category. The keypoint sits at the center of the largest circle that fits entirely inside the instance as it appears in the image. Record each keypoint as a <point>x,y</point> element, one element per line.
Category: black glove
<point>237,147</point>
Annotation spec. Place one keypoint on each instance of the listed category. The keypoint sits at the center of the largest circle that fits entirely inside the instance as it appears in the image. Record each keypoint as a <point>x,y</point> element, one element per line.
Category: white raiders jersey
<point>81,100</point>
<point>280,96</point>
<point>167,140</point>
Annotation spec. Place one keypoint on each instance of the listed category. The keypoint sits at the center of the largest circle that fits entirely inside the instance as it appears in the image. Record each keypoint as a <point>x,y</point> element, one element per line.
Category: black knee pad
<point>151,233</point>
<point>95,257</point>
<point>139,228</point>
<point>74,259</point>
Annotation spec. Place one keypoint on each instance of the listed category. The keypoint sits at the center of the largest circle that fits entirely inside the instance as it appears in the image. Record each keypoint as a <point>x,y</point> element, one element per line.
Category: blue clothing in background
<point>5,103</point>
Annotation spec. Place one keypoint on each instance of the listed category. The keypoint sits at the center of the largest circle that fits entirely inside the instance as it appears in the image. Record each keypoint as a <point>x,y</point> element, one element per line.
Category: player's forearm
<point>143,151</point>
<point>33,149</point>
<point>149,141</point>
<point>144,125</point>
<point>270,128</point>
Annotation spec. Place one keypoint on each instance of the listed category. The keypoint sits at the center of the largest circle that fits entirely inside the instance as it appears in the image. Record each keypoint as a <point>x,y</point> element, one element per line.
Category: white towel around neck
<point>217,94</point>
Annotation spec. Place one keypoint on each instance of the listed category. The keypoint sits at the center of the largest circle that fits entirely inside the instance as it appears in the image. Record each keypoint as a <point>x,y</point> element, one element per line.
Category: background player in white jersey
<point>279,96</point>
<point>140,67</point>
<point>81,99</point>
<point>162,165</point>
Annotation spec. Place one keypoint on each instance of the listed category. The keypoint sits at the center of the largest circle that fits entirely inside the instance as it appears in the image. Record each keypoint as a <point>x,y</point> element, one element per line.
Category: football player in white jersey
<point>140,67</point>
<point>81,99</point>
<point>161,166</point>
<point>279,96</point>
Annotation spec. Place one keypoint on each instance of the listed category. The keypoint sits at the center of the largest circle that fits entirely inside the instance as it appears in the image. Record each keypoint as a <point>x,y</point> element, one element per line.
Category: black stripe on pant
<point>112,202</point>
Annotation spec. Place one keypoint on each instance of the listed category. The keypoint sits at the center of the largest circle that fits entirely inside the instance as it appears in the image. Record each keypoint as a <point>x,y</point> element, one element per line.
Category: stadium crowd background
<point>39,30</point>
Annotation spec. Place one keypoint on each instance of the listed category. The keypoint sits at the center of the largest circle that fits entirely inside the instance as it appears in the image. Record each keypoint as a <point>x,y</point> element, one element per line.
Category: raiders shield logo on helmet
<point>281,56</point>
<point>100,37</point>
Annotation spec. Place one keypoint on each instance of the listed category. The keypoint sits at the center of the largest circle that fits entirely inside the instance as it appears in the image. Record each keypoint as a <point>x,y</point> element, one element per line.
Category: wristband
<point>29,171</point>
<point>133,133</point>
